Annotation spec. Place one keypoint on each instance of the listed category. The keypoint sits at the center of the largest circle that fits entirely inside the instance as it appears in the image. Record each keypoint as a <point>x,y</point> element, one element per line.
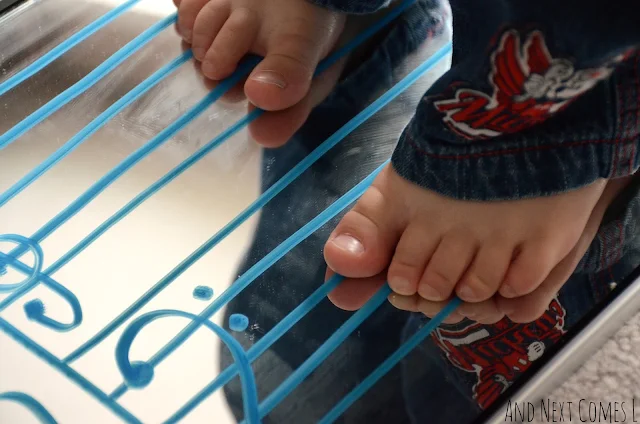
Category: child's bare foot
<point>291,35</point>
<point>530,307</point>
<point>436,246</point>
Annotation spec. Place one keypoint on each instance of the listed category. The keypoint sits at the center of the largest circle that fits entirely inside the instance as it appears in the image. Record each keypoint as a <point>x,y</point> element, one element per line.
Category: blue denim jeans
<point>462,368</point>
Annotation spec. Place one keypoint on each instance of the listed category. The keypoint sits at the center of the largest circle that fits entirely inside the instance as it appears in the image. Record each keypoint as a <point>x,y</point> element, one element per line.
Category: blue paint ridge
<point>85,83</point>
<point>261,346</point>
<point>324,351</point>
<point>67,371</point>
<point>139,374</point>
<point>31,404</point>
<point>65,46</point>
<point>390,362</point>
<point>93,127</point>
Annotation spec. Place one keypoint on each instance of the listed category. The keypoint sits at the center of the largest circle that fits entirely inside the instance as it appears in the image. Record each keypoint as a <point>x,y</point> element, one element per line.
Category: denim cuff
<point>595,137</point>
<point>353,7</point>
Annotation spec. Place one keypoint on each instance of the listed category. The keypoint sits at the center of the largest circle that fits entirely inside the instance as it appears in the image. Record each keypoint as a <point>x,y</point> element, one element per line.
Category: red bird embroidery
<point>528,87</point>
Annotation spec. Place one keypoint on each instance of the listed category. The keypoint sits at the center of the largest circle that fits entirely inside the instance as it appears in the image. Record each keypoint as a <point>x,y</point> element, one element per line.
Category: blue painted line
<point>94,126</point>
<point>67,371</point>
<point>31,404</point>
<point>390,362</point>
<point>85,83</point>
<point>65,46</point>
<point>324,351</point>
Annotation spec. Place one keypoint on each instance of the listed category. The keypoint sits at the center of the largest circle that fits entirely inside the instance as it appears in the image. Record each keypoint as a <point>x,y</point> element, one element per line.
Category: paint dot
<point>140,375</point>
<point>203,293</point>
<point>34,308</point>
<point>238,322</point>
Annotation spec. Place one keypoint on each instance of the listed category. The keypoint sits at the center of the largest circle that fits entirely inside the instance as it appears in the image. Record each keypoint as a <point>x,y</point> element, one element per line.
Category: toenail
<point>508,291</point>
<point>400,284</point>
<point>269,77</point>
<point>348,243</point>
<point>467,293</point>
<point>429,293</point>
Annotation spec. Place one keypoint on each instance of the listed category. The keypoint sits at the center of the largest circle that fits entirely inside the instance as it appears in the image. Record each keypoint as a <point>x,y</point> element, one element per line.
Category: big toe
<point>284,77</point>
<point>364,241</point>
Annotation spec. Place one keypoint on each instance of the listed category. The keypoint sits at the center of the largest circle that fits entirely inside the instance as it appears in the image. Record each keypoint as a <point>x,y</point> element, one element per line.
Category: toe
<point>283,78</point>
<point>188,11</point>
<point>447,265</point>
<point>532,264</point>
<point>352,293</point>
<point>363,242</point>
<point>410,258</point>
<point>426,307</point>
<point>487,271</point>
<point>231,44</point>
<point>207,26</point>
<point>486,312</point>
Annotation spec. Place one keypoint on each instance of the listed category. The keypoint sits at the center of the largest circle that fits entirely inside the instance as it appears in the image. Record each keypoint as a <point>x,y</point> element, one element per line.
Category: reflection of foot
<point>436,246</point>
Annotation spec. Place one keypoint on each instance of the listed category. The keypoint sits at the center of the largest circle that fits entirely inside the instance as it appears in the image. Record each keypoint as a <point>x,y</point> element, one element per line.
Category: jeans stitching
<point>420,150</point>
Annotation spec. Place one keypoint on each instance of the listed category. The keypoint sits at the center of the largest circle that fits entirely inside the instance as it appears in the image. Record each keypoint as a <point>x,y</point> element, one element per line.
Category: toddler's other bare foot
<point>435,246</point>
<point>528,308</point>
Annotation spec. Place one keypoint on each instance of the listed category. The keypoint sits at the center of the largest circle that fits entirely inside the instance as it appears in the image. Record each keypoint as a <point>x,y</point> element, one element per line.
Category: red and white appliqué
<point>529,86</point>
<point>497,354</point>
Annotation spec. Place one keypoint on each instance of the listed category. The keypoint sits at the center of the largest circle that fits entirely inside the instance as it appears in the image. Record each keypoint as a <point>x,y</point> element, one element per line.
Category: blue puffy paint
<point>203,293</point>
<point>238,322</point>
